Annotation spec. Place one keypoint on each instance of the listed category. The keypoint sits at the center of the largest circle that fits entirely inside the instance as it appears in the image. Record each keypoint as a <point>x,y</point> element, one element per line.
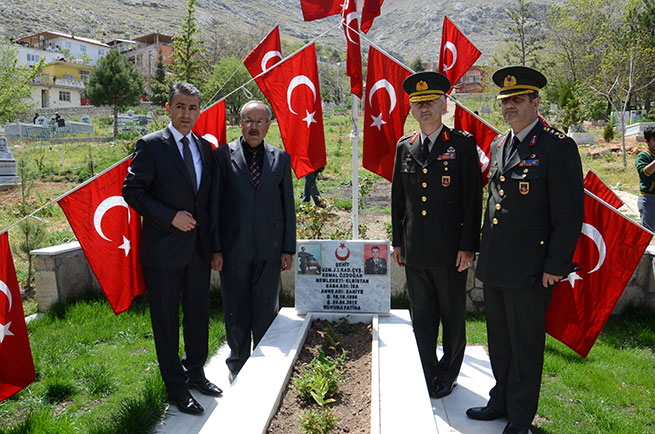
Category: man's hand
<point>396,253</point>
<point>285,259</point>
<point>550,280</point>
<point>217,261</point>
<point>464,260</point>
<point>184,221</point>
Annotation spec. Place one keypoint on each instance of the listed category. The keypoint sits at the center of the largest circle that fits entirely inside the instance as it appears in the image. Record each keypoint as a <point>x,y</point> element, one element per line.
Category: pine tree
<point>186,62</point>
<point>158,86</point>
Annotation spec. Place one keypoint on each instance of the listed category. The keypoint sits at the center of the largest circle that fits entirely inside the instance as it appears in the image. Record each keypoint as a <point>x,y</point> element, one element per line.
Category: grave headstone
<point>484,108</point>
<point>85,119</point>
<point>343,276</point>
<point>7,164</point>
<point>41,120</point>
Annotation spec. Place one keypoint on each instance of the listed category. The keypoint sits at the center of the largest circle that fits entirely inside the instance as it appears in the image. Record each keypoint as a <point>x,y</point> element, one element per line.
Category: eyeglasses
<point>258,122</point>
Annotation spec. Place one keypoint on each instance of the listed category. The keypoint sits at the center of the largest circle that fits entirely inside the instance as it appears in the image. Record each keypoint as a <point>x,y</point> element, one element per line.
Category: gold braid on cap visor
<point>519,88</point>
<point>425,95</point>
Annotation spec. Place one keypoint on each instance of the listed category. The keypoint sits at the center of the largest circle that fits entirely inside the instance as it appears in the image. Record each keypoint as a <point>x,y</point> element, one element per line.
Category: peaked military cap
<point>518,80</point>
<point>426,86</point>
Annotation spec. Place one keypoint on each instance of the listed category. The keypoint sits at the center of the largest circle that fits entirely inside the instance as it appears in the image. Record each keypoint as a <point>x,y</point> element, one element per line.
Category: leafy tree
<point>158,86</point>
<point>417,65</point>
<point>15,84</point>
<point>228,75</point>
<point>115,82</point>
<point>187,62</point>
<point>335,84</point>
<point>524,45</point>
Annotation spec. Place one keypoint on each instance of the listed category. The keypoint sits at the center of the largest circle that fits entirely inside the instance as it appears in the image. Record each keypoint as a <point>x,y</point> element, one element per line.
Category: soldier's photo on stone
<point>309,259</point>
<point>375,259</point>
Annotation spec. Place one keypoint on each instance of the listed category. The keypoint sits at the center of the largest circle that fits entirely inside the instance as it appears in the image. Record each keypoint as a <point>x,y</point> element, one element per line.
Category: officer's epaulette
<point>409,136</point>
<point>500,138</point>
<point>462,133</point>
<point>555,133</point>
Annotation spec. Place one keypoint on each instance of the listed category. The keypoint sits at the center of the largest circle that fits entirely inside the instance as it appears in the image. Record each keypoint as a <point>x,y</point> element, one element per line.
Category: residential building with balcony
<point>147,51</point>
<point>61,84</point>
<point>56,45</point>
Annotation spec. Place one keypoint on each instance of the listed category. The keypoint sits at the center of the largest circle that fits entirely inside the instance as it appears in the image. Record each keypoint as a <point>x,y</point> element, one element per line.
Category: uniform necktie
<point>426,149</point>
<point>510,149</point>
<point>254,168</point>
<point>188,162</point>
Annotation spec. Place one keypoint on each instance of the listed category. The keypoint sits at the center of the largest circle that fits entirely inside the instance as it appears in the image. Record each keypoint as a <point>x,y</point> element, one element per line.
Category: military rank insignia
<point>446,156</point>
<point>524,188</point>
<point>445,181</point>
<point>529,163</point>
<point>533,141</point>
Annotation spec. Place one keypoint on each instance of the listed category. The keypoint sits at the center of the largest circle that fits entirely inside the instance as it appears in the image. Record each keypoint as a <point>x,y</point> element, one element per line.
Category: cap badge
<point>421,85</point>
<point>510,80</point>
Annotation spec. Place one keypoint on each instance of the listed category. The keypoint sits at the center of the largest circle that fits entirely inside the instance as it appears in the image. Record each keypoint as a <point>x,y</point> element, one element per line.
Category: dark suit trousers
<point>516,334</point>
<point>166,287</point>
<point>250,291</point>
<point>438,294</point>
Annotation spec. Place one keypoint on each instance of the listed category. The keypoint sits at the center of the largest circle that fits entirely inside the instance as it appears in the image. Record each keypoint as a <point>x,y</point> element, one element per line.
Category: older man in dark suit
<point>168,183</point>
<point>254,231</point>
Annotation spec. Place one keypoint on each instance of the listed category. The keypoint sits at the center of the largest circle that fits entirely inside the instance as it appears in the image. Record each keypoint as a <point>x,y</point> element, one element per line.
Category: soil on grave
<point>353,408</point>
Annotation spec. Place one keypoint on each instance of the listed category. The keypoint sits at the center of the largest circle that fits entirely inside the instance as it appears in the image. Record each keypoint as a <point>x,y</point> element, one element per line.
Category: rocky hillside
<point>406,28</point>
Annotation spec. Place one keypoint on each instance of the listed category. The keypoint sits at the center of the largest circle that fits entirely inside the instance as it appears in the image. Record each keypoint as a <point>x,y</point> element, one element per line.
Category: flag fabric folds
<point>211,124</point>
<point>457,53</point>
<point>596,186</point>
<point>350,23</point>
<point>266,54</point>
<point>370,10</point>
<point>293,90</point>
<point>16,363</point>
<point>386,106</point>
<point>483,134</point>
<point>109,232</point>
<point>608,252</point>
<point>317,9</point>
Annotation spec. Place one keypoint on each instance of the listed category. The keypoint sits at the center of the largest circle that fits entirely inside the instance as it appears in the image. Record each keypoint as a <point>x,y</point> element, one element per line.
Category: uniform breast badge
<point>445,181</point>
<point>524,188</point>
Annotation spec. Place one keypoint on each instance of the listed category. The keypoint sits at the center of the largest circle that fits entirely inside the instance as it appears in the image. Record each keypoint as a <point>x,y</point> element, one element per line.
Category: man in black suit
<point>168,183</point>
<point>436,205</point>
<point>375,264</point>
<point>254,231</point>
<point>531,227</point>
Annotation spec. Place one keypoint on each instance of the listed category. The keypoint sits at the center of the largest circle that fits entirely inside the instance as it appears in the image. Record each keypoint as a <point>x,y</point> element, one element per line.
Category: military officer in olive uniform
<point>436,206</point>
<point>531,227</point>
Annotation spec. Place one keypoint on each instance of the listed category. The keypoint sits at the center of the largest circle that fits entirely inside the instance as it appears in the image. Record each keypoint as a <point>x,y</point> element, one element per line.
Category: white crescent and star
<point>484,160</point>
<point>382,84</point>
<point>349,18</point>
<point>341,248</point>
<point>211,139</point>
<point>268,56</point>
<point>595,235</point>
<point>105,206</point>
<point>453,50</point>
<point>295,82</point>
<point>4,328</point>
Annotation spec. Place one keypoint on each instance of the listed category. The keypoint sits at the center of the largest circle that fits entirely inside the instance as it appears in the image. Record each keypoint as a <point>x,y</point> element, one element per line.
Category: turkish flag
<point>457,54</point>
<point>370,10</point>
<point>483,133</point>
<point>109,232</point>
<point>16,364</point>
<point>608,252</point>
<point>266,54</point>
<point>317,9</point>
<point>294,92</point>
<point>596,186</point>
<point>385,109</point>
<point>350,24</point>
<point>211,124</point>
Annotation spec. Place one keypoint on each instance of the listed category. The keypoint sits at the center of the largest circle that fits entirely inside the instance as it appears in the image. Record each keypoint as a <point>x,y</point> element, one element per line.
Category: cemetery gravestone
<point>7,164</point>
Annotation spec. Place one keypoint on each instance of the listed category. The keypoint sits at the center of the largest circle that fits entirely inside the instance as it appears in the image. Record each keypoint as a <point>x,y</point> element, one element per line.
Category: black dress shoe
<point>206,387</point>
<point>485,413</point>
<point>443,389</point>
<point>511,428</point>
<point>188,404</point>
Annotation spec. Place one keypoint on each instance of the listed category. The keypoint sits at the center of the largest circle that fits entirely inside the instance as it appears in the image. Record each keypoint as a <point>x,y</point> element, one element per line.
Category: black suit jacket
<point>371,268</point>
<point>253,222</point>
<point>436,205</point>
<point>157,186</point>
<point>534,211</point>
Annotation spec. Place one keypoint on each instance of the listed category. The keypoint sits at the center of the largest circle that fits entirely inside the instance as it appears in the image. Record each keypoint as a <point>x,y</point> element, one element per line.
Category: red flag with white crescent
<point>211,124</point>
<point>109,232</point>
<point>16,363</point>
<point>483,134</point>
<point>608,252</point>
<point>317,9</point>
<point>386,106</point>
<point>294,92</point>
<point>370,10</point>
<point>596,186</point>
<point>350,23</point>
<point>457,53</point>
<point>266,54</point>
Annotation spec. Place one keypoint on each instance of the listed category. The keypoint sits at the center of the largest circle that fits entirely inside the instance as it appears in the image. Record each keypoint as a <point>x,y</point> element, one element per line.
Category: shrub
<point>608,132</point>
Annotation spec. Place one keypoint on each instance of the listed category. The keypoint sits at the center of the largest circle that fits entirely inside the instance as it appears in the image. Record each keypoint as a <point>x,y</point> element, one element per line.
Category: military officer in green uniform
<point>436,206</point>
<point>531,227</point>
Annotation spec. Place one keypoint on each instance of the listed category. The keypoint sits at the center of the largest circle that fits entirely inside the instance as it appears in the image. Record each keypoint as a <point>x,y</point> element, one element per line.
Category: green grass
<point>95,372</point>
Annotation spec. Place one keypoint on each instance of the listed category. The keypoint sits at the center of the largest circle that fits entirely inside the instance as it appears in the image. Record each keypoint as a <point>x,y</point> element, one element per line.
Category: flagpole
<point>354,137</point>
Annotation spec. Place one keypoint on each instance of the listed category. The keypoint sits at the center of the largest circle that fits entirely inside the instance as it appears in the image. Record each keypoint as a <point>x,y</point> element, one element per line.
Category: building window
<point>32,57</point>
<point>67,44</point>
<point>64,96</point>
<point>69,77</point>
<point>101,53</point>
<point>82,49</point>
<point>84,75</point>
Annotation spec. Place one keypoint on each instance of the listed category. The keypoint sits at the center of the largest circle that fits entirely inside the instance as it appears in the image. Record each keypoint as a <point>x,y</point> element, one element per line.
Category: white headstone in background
<point>343,276</point>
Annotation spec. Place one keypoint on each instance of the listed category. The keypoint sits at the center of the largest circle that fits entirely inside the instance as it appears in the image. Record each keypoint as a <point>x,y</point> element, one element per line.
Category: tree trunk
<point>115,122</point>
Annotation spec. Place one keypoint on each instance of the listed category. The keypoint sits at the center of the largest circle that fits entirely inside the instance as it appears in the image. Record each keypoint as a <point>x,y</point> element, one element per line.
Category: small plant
<point>608,132</point>
<point>344,326</point>
<point>318,421</point>
<point>331,340</point>
<point>366,184</point>
<point>388,230</point>
<point>315,372</point>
